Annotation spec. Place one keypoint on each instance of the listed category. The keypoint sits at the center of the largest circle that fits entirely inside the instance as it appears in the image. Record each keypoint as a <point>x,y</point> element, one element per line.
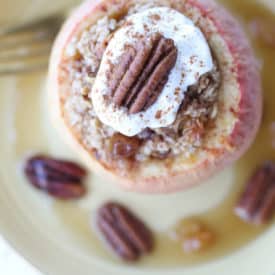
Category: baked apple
<point>159,95</point>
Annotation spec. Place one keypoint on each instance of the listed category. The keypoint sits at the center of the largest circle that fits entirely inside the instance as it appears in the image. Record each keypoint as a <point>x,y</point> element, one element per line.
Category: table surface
<point>11,263</point>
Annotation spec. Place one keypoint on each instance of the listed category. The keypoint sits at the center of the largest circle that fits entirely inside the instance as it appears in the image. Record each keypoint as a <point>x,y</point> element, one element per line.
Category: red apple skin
<point>249,114</point>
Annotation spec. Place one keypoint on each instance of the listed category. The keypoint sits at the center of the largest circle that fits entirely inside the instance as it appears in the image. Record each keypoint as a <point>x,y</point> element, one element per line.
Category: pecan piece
<point>128,236</point>
<point>124,147</point>
<point>59,178</point>
<point>142,73</point>
<point>257,203</point>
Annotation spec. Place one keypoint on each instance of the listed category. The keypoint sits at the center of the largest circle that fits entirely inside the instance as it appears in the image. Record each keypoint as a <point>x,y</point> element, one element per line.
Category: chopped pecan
<point>128,237</point>
<point>142,73</point>
<point>59,178</point>
<point>161,155</point>
<point>124,147</point>
<point>257,203</point>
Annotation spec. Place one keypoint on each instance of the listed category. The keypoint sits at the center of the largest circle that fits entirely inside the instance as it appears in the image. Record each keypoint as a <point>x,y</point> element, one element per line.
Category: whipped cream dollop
<point>193,60</point>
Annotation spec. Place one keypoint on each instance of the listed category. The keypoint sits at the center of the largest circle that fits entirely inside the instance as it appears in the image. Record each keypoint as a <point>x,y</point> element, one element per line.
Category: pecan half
<point>142,73</point>
<point>257,203</point>
<point>59,178</point>
<point>128,237</point>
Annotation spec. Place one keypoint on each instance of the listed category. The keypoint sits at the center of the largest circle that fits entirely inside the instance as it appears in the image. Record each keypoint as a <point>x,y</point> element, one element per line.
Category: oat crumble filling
<point>196,115</point>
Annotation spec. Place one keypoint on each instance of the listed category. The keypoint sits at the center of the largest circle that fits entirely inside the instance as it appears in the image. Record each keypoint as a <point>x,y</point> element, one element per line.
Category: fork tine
<point>45,30</point>
<point>21,66</point>
<point>12,40</point>
<point>24,51</point>
<point>22,70</point>
<point>27,49</point>
<point>50,23</point>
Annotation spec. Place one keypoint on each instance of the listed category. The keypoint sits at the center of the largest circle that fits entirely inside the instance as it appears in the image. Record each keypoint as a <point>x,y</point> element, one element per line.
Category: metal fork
<point>27,49</point>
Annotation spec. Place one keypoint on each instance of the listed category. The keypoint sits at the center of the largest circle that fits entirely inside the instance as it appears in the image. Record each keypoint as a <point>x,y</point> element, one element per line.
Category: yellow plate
<point>58,238</point>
